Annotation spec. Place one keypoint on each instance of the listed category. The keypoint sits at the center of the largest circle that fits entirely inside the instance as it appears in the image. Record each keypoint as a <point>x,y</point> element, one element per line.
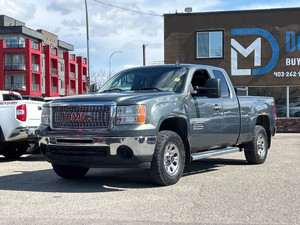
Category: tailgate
<point>34,112</point>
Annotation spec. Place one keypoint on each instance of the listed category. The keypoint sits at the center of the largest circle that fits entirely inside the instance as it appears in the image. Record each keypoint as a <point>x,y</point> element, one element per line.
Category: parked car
<point>156,117</point>
<point>19,120</point>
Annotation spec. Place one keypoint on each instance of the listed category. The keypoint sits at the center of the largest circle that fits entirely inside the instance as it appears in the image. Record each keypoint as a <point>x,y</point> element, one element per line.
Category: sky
<point>115,33</point>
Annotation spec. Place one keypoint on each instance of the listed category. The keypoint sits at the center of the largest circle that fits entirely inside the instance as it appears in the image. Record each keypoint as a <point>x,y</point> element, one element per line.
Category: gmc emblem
<point>76,116</point>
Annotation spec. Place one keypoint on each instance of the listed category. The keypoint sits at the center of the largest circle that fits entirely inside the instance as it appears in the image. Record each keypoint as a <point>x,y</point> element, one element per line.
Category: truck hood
<point>117,97</point>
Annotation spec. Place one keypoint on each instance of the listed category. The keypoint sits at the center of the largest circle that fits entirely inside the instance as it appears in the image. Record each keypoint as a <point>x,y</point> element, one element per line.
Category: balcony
<point>53,51</point>
<point>15,66</point>
<point>54,71</point>
<point>15,87</point>
<point>35,87</point>
<point>53,89</point>
<point>84,61</point>
<point>83,77</point>
<point>35,67</point>
<point>35,45</point>
<point>72,92</point>
<point>72,57</point>
<point>15,44</point>
<point>72,75</point>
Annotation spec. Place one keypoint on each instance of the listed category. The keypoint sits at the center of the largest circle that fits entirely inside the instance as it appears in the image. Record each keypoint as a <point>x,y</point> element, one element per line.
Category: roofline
<point>233,11</point>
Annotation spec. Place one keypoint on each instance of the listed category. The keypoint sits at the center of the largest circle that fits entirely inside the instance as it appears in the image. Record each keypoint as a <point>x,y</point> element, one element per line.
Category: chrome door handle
<point>217,107</point>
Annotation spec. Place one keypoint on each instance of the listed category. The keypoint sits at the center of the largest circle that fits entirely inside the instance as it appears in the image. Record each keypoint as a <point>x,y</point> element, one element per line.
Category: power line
<point>131,10</point>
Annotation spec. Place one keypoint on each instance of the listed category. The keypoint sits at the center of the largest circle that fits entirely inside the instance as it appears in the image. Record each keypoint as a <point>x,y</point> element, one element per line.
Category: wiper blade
<point>148,88</point>
<point>113,89</point>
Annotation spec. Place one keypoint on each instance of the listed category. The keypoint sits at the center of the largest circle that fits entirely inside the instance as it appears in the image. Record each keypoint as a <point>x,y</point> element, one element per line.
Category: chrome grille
<point>81,117</point>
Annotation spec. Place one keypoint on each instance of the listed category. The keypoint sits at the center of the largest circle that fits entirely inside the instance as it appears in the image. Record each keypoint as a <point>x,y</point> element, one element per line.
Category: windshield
<point>168,79</point>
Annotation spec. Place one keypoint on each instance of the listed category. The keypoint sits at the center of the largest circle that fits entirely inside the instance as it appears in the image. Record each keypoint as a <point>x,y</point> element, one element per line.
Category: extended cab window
<point>8,97</point>
<point>224,85</point>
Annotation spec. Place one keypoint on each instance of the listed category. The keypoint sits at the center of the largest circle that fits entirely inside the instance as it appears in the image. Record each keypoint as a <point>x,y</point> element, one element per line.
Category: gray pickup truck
<point>156,117</point>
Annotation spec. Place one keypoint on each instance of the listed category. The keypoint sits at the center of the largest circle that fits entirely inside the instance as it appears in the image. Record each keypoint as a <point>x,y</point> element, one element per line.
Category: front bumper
<point>95,151</point>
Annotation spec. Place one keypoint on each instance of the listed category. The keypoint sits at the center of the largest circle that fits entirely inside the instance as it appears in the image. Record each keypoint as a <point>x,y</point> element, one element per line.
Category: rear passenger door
<point>231,121</point>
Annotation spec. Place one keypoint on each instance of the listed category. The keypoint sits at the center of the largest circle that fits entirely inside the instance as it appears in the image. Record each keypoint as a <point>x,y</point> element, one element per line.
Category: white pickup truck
<point>18,121</point>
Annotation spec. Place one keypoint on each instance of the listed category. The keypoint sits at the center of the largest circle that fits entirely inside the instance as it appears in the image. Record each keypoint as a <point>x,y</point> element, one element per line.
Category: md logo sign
<point>255,46</point>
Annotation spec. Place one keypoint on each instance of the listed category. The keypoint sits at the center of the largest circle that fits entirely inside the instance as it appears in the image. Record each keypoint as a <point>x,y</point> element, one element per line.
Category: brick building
<point>259,49</point>
<point>36,62</point>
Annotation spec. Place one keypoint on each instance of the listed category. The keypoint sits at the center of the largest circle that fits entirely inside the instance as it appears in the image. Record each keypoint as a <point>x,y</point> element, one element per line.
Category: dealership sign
<point>292,44</point>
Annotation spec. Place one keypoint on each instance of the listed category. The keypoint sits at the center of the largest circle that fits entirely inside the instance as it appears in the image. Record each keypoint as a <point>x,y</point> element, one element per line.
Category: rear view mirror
<point>93,88</point>
<point>213,88</point>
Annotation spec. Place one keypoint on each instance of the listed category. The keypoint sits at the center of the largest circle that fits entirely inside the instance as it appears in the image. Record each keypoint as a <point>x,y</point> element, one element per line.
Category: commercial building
<point>36,62</point>
<point>259,49</point>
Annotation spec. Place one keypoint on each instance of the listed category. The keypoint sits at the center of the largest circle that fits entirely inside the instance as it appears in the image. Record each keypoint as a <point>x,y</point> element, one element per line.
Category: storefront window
<point>209,44</point>
<point>294,105</point>
<point>278,93</point>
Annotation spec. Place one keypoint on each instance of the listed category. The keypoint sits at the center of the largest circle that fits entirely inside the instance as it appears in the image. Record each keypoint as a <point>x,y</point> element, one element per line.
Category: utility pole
<point>144,54</point>
<point>87,41</point>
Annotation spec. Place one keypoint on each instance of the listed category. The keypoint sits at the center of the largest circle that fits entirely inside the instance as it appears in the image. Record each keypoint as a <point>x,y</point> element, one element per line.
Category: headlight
<point>46,116</point>
<point>133,114</point>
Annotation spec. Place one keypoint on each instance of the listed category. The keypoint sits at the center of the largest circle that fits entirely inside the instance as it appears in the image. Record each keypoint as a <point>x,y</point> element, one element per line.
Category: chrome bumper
<point>94,151</point>
<point>23,133</point>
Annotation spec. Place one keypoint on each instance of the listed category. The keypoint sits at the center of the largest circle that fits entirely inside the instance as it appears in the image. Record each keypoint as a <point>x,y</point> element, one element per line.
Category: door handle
<point>217,107</point>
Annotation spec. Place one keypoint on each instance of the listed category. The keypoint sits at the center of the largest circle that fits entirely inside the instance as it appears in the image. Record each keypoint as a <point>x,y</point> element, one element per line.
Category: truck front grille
<point>81,117</point>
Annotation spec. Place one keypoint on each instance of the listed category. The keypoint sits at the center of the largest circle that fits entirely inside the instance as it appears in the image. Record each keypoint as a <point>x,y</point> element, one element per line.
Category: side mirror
<point>213,88</point>
<point>93,88</point>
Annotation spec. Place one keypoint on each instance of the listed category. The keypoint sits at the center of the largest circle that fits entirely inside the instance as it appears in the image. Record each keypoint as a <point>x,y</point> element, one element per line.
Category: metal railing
<point>35,67</point>
<point>83,77</point>
<point>53,89</point>
<point>54,71</point>
<point>35,45</point>
<point>72,75</point>
<point>15,44</point>
<point>35,87</point>
<point>72,92</point>
<point>15,87</point>
<point>15,66</point>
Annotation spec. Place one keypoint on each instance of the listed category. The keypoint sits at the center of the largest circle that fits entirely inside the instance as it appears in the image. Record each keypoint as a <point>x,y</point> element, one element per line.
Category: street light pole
<point>109,62</point>
<point>87,40</point>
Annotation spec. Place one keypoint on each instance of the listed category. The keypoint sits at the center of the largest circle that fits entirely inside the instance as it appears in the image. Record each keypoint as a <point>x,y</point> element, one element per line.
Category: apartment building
<point>36,62</point>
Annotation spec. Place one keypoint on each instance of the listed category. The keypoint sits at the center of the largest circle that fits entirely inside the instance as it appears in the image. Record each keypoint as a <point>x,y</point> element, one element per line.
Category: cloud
<point>21,10</point>
<point>65,6</point>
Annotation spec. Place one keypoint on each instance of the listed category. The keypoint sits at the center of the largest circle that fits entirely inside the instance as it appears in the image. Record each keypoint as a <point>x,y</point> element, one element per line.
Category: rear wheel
<point>13,150</point>
<point>69,171</point>
<point>168,160</point>
<point>256,150</point>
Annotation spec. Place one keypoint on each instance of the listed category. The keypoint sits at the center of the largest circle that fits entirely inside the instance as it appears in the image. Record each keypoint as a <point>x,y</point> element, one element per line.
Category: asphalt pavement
<point>222,190</point>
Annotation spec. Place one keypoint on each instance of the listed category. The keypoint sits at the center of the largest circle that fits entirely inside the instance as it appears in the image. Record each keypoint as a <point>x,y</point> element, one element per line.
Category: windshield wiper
<point>113,89</point>
<point>147,88</point>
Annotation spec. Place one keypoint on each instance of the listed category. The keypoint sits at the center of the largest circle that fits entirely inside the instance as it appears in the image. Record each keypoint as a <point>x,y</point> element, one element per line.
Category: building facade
<point>259,49</point>
<point>36,62</point>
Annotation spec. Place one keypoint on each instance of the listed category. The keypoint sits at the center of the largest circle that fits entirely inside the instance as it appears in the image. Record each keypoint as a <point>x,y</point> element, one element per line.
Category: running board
<point>210,153</point>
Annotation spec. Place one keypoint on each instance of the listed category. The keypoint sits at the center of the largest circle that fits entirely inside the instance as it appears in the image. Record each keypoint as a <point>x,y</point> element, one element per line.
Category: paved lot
<point>212,191</point>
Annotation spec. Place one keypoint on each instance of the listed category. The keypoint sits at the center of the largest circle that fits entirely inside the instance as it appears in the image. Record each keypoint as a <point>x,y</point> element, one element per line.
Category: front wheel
<point>168,160</point>
<point>69,171</point>
<point>256,150</point>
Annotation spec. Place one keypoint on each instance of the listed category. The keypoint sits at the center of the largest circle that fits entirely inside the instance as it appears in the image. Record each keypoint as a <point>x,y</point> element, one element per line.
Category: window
<point>224,86</point>
<point>294,105</point>
<point>209,44</point>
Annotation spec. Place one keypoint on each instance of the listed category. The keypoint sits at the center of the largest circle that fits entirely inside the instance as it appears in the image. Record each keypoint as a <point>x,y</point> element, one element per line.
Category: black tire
<point>14,150</point>
<point>256,151</point>
<point>69,172</point>
<point>168,160</point>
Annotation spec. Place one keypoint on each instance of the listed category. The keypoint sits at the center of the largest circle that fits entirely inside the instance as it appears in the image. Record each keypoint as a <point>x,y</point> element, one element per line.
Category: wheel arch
<point>264,121</point>
<point>178,125</point>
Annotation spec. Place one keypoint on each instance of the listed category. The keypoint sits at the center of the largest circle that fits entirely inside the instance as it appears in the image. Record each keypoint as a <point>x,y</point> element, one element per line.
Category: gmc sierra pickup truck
<point>19,120</point>
<point>156,117</point>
